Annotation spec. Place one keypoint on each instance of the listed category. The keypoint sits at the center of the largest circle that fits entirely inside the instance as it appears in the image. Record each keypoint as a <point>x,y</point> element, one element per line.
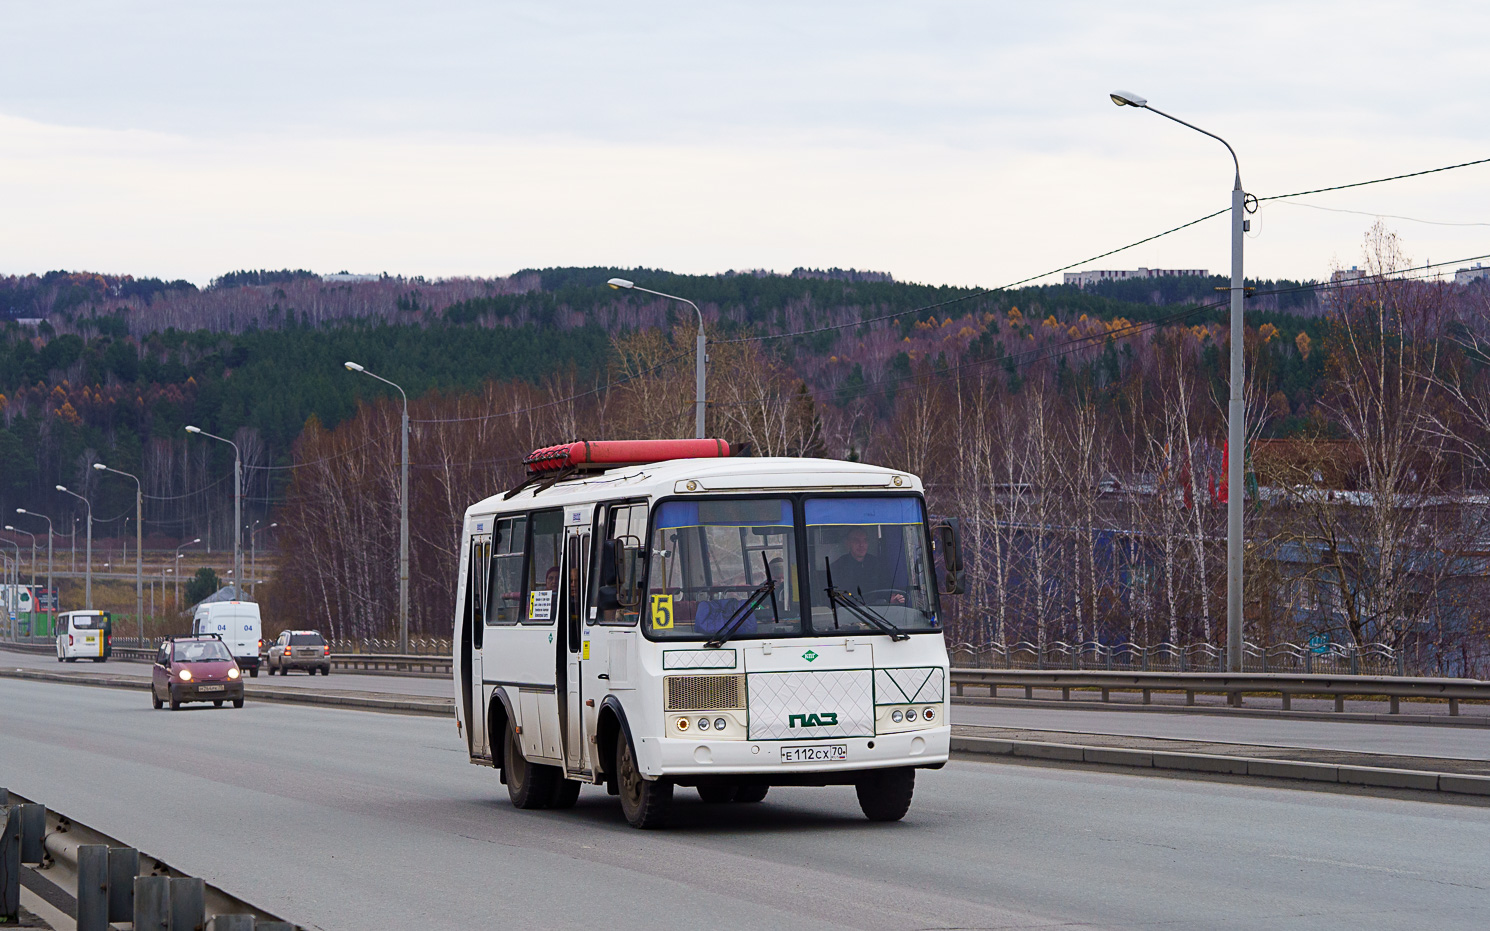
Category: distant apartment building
<point>1346,274</point>
<point>1096,276</point>
<point>1467,275</point>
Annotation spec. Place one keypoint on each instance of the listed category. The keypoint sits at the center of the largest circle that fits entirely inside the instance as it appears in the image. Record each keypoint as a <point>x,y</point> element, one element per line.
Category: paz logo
<point>822,719</point>
<point>809,656</point>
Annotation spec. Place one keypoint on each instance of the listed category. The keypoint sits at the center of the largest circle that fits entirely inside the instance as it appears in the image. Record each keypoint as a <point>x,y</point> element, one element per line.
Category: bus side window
<point>505,587</point>
<point>544,554</point>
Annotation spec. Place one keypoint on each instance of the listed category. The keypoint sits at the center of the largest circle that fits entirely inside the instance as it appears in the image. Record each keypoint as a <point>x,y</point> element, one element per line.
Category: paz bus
<point>654,614</point>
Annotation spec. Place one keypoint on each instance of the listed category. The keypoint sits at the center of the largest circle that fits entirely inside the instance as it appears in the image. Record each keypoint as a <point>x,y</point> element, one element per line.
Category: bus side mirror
<point>949,538</point>
<point>628,572</point>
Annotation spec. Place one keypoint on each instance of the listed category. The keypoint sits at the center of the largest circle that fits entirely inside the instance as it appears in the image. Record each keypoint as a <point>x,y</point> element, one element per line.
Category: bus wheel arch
<point>610,729</point>
<point>497,715</point>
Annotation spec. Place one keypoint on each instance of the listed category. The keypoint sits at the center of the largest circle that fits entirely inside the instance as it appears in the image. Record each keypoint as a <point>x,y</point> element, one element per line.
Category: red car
<point>195,669</point>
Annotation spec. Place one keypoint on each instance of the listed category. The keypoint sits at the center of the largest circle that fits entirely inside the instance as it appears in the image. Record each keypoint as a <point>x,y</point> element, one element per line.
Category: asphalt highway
<point>349,819</point>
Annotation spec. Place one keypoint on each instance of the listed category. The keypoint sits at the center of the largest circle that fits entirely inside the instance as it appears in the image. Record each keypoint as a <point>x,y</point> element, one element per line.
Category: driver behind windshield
<point>862,573</point>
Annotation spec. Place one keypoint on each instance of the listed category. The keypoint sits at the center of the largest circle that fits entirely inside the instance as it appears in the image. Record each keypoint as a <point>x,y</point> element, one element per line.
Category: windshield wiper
<point>857,607</point>
<point>768,587</point>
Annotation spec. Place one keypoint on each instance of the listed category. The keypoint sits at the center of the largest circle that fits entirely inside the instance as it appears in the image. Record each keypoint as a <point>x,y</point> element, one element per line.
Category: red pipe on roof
<point>610,453</point>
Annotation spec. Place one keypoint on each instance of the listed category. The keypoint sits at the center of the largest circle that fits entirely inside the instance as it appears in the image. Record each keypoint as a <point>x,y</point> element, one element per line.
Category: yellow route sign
<point>662,612</point>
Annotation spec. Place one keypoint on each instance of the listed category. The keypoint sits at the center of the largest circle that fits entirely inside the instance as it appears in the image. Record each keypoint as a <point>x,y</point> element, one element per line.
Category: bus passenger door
<point>476,578</point>
<point>571,647</point>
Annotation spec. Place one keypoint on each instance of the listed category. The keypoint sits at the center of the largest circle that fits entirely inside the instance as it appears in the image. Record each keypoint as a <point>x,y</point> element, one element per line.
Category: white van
<point>238,624</point>
<point>84,635</point>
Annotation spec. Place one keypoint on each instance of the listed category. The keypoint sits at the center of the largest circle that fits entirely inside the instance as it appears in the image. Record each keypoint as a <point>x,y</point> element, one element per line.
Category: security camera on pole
<point>1236,408</point>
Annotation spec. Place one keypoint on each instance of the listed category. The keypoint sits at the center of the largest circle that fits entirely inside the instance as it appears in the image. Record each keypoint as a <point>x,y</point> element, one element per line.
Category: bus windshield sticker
<point>662,612</point>
<point>541,606</point>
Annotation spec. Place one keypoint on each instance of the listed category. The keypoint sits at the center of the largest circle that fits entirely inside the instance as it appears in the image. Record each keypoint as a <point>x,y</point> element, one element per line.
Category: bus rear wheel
<point>529,785</point>
<point>645,802</point>
<point>566,793</point>
<point>885,794</point>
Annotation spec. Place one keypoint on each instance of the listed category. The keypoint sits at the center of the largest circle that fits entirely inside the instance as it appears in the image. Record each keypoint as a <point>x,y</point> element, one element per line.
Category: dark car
<point>300,649</point>
<point>195,669</point>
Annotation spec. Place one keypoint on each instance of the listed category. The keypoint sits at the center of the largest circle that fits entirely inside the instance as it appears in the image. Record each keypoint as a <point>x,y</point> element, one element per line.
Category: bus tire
<point>566,793</point>
<point>644,802</point>
<point>717,795</point>
<point>750,794</point>
<point>885,794</point>
<point>217,702</point>
<point>529,785</point>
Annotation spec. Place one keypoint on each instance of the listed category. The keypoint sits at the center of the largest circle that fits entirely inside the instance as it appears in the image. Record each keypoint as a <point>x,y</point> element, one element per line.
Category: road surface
<point>349,819</point>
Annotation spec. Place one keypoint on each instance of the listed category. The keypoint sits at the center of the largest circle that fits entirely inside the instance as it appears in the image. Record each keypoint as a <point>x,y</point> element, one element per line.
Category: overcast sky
<point>957,143</point>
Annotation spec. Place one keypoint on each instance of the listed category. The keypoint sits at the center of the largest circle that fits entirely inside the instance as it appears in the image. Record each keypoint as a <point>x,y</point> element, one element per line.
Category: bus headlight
<point>720,724</point>
<point>703,724</point>
<point>897,717</point>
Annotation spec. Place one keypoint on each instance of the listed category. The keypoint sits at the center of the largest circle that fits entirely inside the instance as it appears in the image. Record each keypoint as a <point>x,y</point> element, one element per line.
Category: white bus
<point>656,613</point>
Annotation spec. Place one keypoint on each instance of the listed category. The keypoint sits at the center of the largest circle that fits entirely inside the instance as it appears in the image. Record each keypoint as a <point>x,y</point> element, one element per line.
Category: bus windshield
<point>873,551</point>
<point>709,564</point>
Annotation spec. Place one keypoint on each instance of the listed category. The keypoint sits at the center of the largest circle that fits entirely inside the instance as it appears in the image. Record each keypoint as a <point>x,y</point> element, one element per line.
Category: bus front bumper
<point>671,757</point>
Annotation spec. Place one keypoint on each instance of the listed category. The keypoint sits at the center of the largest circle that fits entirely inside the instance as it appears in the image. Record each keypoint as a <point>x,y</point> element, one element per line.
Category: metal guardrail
<point>1372,659</point>
<point>109,881</point>
<point>1233,685</point>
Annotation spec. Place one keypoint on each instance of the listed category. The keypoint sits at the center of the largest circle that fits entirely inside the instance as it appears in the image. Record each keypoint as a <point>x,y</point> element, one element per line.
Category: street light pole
<point>253,555</point>
<point>88,555</point>
<point>237,504</point>
<point>1236,406</point>
<point>700,355</point>
<point>51,585</point>
<point>403,517</point>
<point>139,547</point>
<point>33,551</point>
<point>176,565</point>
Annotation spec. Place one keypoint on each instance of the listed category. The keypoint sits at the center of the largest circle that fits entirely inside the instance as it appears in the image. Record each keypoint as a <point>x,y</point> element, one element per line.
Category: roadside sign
<point>1319,643</point>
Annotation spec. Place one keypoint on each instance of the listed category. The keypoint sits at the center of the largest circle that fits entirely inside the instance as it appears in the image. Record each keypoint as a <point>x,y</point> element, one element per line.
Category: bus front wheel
<point>644,802</point>
<point>885,794</point>
<point>529,785</point>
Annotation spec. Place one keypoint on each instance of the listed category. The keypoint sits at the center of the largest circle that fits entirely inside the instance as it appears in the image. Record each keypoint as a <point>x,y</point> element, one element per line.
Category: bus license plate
<point>209,688</point>
<point>814,754</point>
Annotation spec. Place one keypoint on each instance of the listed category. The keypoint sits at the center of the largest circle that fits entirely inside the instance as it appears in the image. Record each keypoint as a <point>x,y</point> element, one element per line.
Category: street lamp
<point>51,588</point>
<point>253,555</point>
<point>33,550</point>
<point>176,565</point>
<point>1236,408</point>
<point>699,354</point>
<point>237,497</point>
<point>403,517</point>
<point>88,553</point>
<point>11,599</point>
<point>139,547</point>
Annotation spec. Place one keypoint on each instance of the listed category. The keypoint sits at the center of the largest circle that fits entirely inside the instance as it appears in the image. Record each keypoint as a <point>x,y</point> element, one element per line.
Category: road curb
<point>1375,777</point>
<point>431,707</point>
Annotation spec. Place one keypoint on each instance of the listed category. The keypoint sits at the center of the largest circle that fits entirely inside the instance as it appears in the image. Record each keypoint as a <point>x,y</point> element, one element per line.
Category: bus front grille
<point>705,693</point>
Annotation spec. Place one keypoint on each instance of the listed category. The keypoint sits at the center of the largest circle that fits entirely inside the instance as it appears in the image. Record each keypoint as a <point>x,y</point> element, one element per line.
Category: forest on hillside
<point>1112,396</point>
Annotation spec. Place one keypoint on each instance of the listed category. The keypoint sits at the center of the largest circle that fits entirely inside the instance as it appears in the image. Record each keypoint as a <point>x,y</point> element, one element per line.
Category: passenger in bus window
<point>551,579</point>
<point>858,571</point>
